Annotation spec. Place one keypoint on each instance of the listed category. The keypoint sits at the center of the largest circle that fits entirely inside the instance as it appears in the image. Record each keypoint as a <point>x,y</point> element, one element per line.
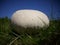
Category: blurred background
<point>50,7</point>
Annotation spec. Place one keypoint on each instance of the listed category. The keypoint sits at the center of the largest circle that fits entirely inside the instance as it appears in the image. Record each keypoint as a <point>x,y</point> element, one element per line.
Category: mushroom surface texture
<point>30,18</point>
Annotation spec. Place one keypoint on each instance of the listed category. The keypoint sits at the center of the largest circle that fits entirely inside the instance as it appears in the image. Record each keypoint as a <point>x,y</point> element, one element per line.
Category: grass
<point>31,36</point>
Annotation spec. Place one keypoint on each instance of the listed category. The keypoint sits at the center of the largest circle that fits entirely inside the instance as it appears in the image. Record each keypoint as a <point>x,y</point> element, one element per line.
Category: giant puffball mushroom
<point>27,20</point>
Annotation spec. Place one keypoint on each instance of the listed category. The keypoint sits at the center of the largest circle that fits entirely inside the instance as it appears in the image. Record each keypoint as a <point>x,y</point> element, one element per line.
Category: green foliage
<point>31,36</point>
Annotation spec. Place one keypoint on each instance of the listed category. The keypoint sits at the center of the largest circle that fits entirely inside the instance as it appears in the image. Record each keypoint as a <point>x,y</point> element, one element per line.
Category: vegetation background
<point>48,36</point>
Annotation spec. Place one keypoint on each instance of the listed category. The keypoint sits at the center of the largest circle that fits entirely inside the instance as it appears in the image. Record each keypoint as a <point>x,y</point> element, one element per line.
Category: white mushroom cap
<point>30,18</point>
